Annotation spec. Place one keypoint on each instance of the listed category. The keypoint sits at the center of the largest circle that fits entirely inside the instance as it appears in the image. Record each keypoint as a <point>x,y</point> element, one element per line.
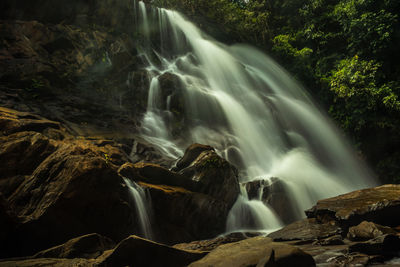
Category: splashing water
<point>141,204</point>
<point>240,101</point>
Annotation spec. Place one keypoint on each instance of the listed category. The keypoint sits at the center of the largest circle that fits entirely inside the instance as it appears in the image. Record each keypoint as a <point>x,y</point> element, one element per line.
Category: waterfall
<point>238,100</point>
<point>142,208</point>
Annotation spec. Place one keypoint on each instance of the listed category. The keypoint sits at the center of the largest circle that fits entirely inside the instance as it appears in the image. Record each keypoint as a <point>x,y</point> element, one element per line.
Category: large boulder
<point>213,175</point>
<point>368,230</point>
<point>55,187</point>
<point>75,191</point>
<point>256,251</point>
<point>191,153</point>
<point>181,215</point>
<point>373,204</point>
<point>88,247</point>
<point>136,251</point>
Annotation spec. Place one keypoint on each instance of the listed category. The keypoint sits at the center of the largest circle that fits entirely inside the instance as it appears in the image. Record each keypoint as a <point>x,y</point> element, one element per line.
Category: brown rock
<point>21,153</point>
<point>88,246</point>
<point>155,174</point>
<point>368,230</point>
<point>136,251</point>
<point>307,229</point>
<point>74,191</point>
<point>12,121</point>
<point>214,176</point>
<point>191,153</point>
<point>47,262</point>
<point>182,215</point>
<point>373,204</point>
<point>211,244</point>
<point>256,251</point>
<point>330,241</point>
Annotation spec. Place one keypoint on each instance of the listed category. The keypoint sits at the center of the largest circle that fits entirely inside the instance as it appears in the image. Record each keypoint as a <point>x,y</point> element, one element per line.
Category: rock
<point>388,245</point>
<point>21,153</point>
<point>78,186</point>
<point>368,230</point>
<point>88,246</point>
<point>12,121</point>
<point>214,176</point>
<point>330,241</point>
<point>47,262</point>
<point>136,251</point>
<point>155,174</point>
<point>373,204</point>
<point>191,153</point>
<point>182,215</point>
<point>274,194</point>
<point>256,251</point>
<point>306,229</point>
<point>211,244</point>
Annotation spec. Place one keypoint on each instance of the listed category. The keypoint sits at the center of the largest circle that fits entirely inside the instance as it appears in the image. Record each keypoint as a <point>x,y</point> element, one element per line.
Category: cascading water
<point>142,209</point>
<point>240,101</point>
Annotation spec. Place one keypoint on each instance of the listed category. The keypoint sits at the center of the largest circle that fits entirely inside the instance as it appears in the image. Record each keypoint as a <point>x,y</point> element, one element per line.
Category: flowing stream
<point>238,100</point>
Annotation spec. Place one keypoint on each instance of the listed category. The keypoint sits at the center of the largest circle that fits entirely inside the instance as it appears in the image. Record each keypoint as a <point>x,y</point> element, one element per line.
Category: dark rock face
<point>136,251</point>
<point>183,215</point>
<point>88,247</point>
<point>191,153</point>
<point>64,187</point>
<point>213,175</point>
<point>374,204</point>
<point>105,12</point>
<point>254,251</point>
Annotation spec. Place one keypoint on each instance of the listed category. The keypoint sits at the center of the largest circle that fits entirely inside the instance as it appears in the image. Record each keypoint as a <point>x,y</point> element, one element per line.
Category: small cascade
<point>143,208</point>
<point>238,100</point>
<point>251,215</point>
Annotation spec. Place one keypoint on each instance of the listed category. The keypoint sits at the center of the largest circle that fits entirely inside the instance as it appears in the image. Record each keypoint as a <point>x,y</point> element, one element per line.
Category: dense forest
<point>346,52</point>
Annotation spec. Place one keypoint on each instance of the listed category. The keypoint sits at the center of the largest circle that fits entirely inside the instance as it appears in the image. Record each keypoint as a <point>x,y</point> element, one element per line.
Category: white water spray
<point>142,208</point>
<point>241,102</point>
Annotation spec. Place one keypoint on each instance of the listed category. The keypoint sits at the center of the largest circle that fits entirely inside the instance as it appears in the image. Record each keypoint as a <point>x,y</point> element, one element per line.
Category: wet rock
<point>373,204</point>
<point>388,245</point>
<point>155,174</point>
<point>368,230</point>
<point>181,215</point>
<point>75,185</point>
<point>12,121</point>
<point>307,229</point>
<point>136,251</point>
<point>260,251</point>
<point>191,153</point>
<point>87,246</point>
<point>330,241</point>
<point>21,153</point>
<point>273,193</point>
<point>211,244</point>
<point>47,262</point>
<point>214,176</point>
